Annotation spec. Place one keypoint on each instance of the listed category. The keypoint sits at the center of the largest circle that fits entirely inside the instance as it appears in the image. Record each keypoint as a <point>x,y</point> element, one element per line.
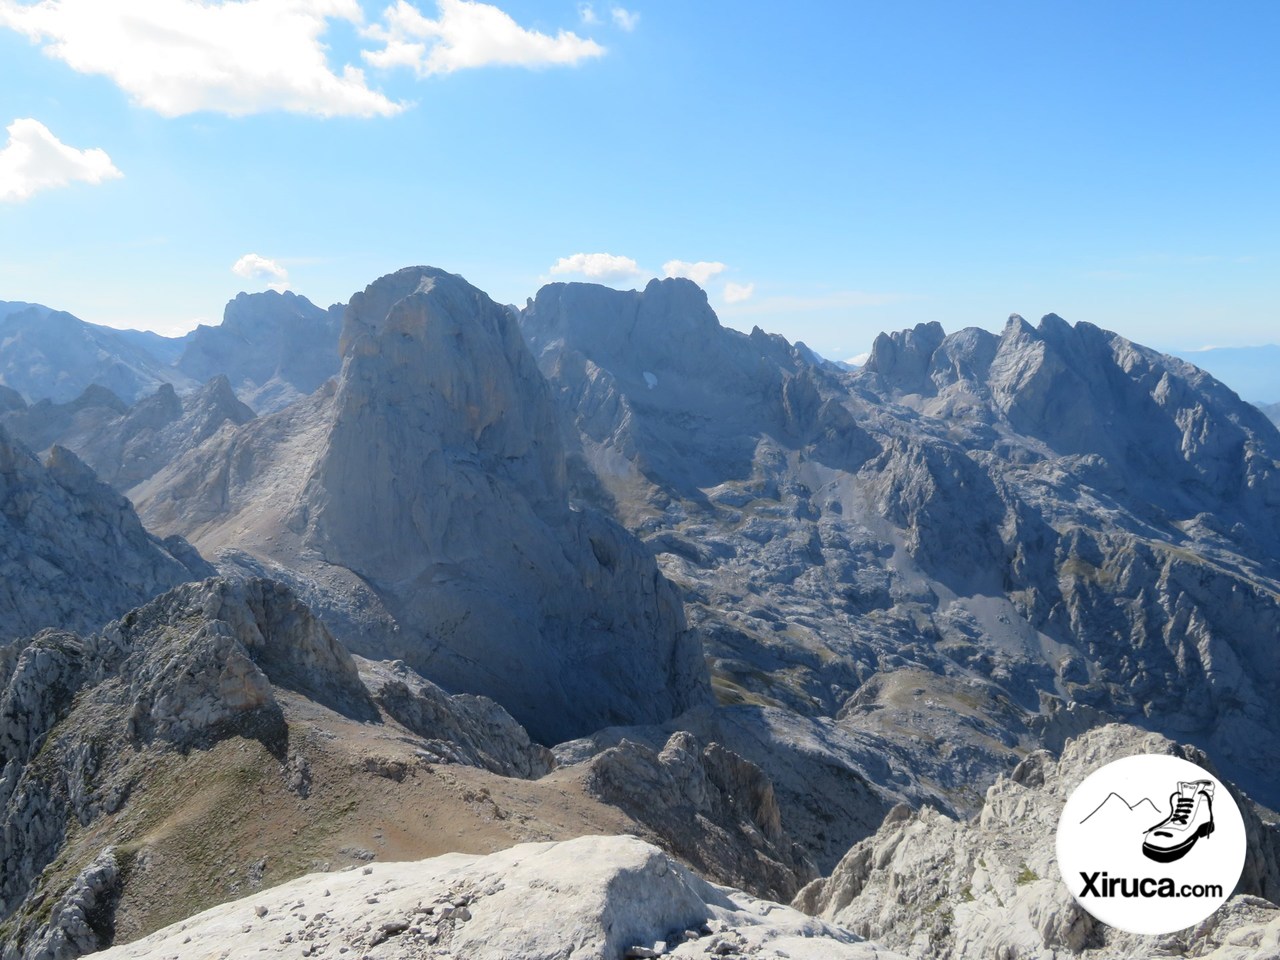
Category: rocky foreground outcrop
<point>598,898</point>
<point>421,503</point>
<point>713,808</point>
<point>236,680</point>
<point>219,739</point>
<point>73,553</point>
<point>935,887</point>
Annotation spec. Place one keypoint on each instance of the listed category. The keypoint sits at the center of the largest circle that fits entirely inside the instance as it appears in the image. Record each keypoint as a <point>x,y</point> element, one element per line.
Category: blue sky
<point>827,170</point>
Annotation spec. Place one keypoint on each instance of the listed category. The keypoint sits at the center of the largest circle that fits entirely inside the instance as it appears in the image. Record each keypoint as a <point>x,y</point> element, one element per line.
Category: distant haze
<point>1252,372</point>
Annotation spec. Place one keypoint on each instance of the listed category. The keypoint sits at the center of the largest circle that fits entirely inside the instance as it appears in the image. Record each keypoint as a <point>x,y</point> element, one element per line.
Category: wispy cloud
<point>624,19</point>
<point>587,14</point>
<point>34,160</point>
<point>699,272</point>
<point>604,267</point>
<point>468,34</point>
<point>259,269</point>
<point>182,56</point>
<point>738,292</point>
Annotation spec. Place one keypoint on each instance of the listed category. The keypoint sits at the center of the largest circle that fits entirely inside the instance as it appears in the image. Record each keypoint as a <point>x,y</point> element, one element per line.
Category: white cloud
<point>738,292</point>
<point>254,267</point>
<point>469,34</point>
<point>859,360</point>
<point>699,272</point>
<point>587,14</point>
<point>598,266</point>
<point>181,56</point>
<point>34,160</point>
<point>625,18</point>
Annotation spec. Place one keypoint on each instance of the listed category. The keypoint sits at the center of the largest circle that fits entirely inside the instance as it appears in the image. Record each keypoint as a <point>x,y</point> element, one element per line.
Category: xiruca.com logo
<point>1151,844</point>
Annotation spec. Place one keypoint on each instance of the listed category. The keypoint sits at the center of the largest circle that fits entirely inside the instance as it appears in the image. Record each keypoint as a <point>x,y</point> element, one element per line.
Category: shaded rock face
<point>126,445</point>
<point>73,553</point>
<point>273,348</point>
<point>429,481</point>
<point>464,729</point>
<point>832,785</point>
<point>716,810</point>
<point>44,423</point>
<point>931,886</point>
<point>1049,512</point>
<point>597,897</point>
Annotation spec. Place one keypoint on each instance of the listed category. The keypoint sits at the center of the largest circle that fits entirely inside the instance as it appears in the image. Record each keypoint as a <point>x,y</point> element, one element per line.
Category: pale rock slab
<point>594,897</point>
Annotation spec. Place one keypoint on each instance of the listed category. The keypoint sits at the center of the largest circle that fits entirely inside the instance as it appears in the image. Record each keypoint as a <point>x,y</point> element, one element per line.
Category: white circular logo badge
<point>1151,844</point>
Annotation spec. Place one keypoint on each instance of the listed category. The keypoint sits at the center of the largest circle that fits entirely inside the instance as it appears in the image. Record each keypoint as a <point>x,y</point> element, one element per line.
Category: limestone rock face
<point>595,897</point>
<point>927,549</point>
<point>73,553</point>
<point>932,886</point>
<point>81,921</point>
<point>655,387</point>
<point>273,348</point>
<point>422,503</point>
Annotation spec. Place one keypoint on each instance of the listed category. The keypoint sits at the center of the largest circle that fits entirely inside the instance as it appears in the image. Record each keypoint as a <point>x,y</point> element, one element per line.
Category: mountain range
<point>600,565</point>
<point>272,347</point>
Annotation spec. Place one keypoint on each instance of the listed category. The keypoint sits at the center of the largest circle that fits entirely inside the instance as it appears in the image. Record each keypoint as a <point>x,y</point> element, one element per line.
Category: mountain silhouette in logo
<point>1116,807</point>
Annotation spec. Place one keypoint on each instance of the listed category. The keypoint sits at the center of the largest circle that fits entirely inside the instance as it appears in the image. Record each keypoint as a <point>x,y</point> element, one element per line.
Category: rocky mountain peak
<point>439,371</point>
<point>160,408</point>
<point>99,396</point>
<point>1051,324</point>
<point>246,310</point>
<point>669,325</point>
<point>213,404</point>
<point>369,312</point>
<point>1015,325</point>
<point>903,358</point>
<point>272,347</point>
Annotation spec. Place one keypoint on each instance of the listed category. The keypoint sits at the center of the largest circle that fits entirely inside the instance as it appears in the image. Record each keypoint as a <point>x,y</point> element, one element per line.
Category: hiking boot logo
<point>1126,857</point>
<point>1190,818</point>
